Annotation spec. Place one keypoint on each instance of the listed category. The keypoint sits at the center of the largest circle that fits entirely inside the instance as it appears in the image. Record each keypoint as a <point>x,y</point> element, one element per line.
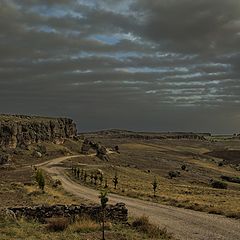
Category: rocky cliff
<point>18,131</point>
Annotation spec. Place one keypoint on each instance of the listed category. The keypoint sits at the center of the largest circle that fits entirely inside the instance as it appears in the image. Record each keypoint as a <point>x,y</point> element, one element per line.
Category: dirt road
<point>183,223</point>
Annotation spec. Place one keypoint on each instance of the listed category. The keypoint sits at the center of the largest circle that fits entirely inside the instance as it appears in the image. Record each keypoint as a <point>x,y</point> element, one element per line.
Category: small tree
<point>116,148</point>
<point>95,179</point>
<point>154,185</point>
<point>40,179</point>
<point>106,184</point>
<point>92,177</point>
<point>82,174</point>
<point>103,200</point>
<point>78,173</point>
<point>101,178</point>
<point>37,174</point>
<point>173,174</point>
<point>85,176</point>
<point>115,181</point>
<point>183,167</point>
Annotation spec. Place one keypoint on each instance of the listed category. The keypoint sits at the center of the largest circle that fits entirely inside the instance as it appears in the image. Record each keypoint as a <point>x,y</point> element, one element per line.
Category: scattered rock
<point>101,151</point>
<point>220,164</point>
<point>42,149</point>
<point>184,167</point>
<point>36,154</point>
<point>56,183</point>
<point>99,172</point>
<point>174,174</point>
<point>5,158</point>
<point>85,146</point>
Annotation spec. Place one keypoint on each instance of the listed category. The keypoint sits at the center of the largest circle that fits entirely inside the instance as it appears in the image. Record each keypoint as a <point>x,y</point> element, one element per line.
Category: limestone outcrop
<point>101,151</point>
<point>18,130</point>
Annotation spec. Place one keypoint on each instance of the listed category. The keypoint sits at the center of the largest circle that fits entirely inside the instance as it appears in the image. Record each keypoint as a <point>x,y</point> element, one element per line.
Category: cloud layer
<point>144,65</point>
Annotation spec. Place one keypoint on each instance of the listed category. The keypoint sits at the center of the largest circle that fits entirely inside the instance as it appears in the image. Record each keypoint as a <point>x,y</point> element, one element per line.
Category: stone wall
<point>17,131</point>
<point>118,212</point>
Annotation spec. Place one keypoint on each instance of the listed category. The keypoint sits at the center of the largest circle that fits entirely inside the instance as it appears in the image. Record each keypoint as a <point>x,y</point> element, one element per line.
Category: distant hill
<point>118,133</point>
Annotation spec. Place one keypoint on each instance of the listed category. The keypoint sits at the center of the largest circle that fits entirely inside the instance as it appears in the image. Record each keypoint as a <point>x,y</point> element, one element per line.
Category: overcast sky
<point>163,65</point>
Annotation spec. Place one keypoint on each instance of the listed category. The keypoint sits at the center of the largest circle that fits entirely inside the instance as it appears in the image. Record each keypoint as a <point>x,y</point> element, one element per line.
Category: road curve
<point>183,223</point>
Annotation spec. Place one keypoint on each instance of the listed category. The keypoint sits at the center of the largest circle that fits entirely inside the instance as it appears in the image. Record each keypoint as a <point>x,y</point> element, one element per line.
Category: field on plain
<point>18,188</point>
<point>185,170</point>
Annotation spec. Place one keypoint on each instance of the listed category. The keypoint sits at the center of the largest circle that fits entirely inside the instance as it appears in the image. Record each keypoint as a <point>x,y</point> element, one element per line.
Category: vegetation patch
<point>85,224</point>
<point>143,225</point>
<point>218,184</point>
<point>59,229</point>
<point>57,224</point>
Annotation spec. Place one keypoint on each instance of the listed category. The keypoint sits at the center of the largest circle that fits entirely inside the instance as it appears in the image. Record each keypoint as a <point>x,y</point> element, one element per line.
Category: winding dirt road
<point>183,223</point>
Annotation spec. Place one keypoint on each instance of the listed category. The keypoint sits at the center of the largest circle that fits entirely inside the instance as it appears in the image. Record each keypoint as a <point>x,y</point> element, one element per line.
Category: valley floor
<point>185,224</point>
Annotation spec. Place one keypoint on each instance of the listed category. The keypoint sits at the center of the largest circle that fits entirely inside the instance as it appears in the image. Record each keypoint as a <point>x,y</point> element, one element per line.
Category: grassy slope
<point>190,190</point>
<point>82,230</point>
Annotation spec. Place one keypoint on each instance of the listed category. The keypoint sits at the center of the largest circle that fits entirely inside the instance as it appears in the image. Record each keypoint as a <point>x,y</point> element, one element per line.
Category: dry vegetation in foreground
<point>18,188</point>
<point>82,229</point>
<point>51,195</point>
<point>138,164</point>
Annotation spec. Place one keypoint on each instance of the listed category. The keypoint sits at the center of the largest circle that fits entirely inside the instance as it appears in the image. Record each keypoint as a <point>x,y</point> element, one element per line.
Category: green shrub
<point>173,174</point>
<point>183,167</point>
<point>115,181</point>
<point>40,179</point>
<point>220,164</point>
<point>218,184</point>
<point>154,185</point>
<point>42,149</point>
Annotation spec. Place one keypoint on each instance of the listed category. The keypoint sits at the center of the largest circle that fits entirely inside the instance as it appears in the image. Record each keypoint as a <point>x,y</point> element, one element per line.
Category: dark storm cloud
<point>186,25</point>
<point>149,65</point>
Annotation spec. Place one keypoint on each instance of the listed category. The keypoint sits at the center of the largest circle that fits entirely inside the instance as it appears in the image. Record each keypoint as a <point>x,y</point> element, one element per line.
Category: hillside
<point>118,133</point>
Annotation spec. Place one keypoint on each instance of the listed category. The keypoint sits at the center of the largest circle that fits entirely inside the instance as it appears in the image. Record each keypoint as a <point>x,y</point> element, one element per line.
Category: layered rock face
<point>101,151</point>
<point>17,131</point>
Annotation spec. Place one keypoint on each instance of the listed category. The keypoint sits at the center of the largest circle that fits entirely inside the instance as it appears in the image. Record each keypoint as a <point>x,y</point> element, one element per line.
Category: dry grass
<point>191,190</point>
<point>192,196</point>
<point>51,196</point>
<point>84,225</point>
<point>57,224</point>
<point>82,229</point>
<point>143,225</point>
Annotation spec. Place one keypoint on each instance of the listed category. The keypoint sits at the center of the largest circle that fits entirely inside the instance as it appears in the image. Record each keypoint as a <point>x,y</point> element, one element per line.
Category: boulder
<point>4,158</point>
<point>36,154</point>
